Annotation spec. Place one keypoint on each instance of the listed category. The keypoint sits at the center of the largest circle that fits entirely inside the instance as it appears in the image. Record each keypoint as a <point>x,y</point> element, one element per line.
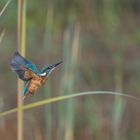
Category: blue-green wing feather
<point>25,89</point>
<point>19,64</point>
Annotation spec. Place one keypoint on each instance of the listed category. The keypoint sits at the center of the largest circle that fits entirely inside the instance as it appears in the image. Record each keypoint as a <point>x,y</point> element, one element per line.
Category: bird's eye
<point>49,67</point>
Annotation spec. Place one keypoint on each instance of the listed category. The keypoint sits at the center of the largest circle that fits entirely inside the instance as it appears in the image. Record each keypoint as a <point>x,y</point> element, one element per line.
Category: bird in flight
<point>28,72</point>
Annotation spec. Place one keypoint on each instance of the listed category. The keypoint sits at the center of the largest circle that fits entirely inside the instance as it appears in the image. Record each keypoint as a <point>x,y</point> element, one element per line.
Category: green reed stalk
<point>4,8</point>
<point>69,134</point>
<point>47,48</point>
<point>111,21</point>
<point>65,83</point>
<point>119,104</point>
<point>21,48</point>
<point>2,35</point>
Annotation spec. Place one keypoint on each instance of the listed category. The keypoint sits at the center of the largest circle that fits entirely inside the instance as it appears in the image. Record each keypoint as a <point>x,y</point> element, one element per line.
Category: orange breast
<point>35,84</point>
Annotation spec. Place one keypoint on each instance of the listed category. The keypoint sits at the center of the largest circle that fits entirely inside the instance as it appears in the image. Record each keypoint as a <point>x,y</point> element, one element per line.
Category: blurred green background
<point>99,43</point>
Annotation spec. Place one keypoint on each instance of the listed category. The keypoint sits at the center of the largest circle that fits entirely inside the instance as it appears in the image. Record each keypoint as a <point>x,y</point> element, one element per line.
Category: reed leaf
<point>4,8</point>
<point>2,35</point>
<point>61,98</point>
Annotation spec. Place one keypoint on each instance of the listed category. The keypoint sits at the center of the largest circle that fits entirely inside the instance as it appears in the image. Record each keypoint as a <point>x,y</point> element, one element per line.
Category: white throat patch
<point>43,74</point>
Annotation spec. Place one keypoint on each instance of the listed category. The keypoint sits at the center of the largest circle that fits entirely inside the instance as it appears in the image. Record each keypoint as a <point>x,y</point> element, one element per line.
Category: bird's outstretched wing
<point>23,67</point>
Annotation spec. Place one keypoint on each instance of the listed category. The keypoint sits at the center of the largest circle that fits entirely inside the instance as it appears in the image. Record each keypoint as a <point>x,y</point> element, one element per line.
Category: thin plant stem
<point>69,134</point>
<point>4,8</point>
<point>47,87</point>
<point>2,35</point>
<point>21,47</point>
<point>61,98</point>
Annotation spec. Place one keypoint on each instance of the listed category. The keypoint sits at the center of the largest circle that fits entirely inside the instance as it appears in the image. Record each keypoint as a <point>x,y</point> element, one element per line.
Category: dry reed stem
<point>4,8</point>
<point>21,47</point>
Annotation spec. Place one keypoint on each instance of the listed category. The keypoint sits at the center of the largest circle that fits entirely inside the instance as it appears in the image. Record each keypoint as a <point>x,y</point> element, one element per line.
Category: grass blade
<point>4,8</point>
<point>2,35</point>
<point>61,98</point>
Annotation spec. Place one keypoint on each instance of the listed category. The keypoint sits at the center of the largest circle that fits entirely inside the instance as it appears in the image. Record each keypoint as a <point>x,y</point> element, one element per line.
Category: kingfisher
<point>28,72</point>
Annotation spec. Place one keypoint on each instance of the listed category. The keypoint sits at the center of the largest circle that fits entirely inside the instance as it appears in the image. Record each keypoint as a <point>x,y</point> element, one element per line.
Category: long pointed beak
<point>52,67</point>
<point>55,65</point>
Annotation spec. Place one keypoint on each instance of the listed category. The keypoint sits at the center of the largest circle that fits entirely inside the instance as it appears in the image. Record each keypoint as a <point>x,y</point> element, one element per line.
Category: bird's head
<point>46,71</point>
